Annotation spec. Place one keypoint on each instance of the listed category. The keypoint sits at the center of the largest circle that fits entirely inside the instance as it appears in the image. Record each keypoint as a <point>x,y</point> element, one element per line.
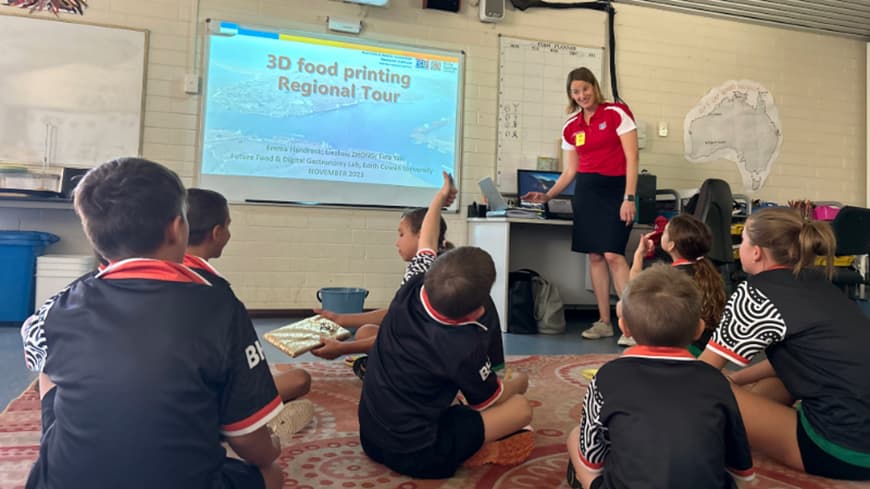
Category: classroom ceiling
<point>850,18</point>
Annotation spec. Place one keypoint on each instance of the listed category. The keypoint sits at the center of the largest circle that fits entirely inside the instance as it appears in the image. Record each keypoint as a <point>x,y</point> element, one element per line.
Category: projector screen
<point>304,118</point>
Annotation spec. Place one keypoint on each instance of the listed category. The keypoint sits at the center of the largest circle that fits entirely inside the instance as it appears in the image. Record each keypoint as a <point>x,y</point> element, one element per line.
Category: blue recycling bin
<point>18,252</point>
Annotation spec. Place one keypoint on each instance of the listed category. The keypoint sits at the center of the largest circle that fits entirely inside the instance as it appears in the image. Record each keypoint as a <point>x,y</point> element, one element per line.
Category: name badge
<point>580,139</point>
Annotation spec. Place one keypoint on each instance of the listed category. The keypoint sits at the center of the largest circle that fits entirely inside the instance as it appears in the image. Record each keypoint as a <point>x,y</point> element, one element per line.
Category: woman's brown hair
<point>790,239</point>
<point>586,75</point>
<point>692,240</point>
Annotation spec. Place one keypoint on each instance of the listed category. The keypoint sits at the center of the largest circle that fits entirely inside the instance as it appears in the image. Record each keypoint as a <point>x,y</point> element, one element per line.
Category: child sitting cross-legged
<point>367,323</point>
<point>656,417</point>
<point>431,345</point>
<point>145,367</point>
<point>208,217</point>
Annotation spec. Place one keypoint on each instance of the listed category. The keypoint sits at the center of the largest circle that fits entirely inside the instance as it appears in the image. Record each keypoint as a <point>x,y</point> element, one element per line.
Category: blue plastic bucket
<point>18,252</point>
<point>342,299</point>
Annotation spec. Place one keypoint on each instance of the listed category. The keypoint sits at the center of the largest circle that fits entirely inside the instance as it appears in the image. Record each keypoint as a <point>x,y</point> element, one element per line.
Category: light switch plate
<point>663,129</point>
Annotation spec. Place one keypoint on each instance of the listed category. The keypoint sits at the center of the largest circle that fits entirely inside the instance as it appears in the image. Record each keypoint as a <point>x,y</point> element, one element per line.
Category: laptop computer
<point>542,181</point>
<point>498,206</point>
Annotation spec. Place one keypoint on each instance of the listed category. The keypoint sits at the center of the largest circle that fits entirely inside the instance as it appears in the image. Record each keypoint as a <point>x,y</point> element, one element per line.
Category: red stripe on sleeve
<point>489,402</point>
<point>255,420</point>
<point>589,465</point>
<point>727,354</point>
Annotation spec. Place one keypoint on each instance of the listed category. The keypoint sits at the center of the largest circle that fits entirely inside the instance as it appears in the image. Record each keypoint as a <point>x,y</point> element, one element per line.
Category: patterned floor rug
<point>326,454</point>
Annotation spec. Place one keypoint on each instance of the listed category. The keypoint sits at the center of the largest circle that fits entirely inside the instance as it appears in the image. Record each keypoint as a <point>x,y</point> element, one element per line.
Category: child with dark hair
<point>367,323</point>
<point>656,417</point>
<point>687,240</point>
<point>815,340</point>
<point>443,314</point>
<point>146,366</point>
<point>208,216</point>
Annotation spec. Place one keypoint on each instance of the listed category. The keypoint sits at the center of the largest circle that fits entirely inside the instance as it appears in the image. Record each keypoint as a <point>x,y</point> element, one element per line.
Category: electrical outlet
<point>191,84</point>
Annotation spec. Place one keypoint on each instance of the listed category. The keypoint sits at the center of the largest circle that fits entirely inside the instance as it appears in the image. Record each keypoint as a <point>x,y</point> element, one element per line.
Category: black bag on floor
<point>521,302</point>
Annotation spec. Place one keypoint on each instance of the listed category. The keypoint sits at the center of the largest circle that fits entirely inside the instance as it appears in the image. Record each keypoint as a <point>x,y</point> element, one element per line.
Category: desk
<point>543,245</point>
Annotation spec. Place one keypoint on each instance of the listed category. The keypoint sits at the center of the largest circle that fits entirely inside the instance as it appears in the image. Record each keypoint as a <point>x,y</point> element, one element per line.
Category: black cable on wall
<point>600,5</point>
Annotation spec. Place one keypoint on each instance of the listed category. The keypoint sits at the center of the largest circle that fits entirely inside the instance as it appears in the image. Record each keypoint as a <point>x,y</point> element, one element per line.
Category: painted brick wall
<point>279,256</point>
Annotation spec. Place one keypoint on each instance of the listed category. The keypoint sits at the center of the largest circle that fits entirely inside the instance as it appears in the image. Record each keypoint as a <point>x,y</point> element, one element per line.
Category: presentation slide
<point>328,120</point>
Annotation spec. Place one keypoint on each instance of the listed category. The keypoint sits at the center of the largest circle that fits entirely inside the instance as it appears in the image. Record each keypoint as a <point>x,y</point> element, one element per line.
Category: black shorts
<point>236,474</point>
<point>819,462</point>
<point>460,435</point>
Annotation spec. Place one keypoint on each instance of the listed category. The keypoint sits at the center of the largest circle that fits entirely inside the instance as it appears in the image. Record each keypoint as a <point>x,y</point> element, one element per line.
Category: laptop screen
<point>540,181</point>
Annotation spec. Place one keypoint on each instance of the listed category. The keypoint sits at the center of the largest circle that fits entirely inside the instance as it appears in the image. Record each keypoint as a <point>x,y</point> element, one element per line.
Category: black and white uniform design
<point>816,340</point>
<point>32,333</point>
<point>657,417</point>
<point>750,322</point>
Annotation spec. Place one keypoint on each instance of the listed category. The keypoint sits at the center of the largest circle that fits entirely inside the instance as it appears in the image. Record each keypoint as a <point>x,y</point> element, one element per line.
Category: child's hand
<point>330,350</point>
<point>646,243</point>
<point>448,190</point>
<point>334,317</point>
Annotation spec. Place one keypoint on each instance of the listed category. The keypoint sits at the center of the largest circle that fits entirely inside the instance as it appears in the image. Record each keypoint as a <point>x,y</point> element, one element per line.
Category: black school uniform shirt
<point>816,339</point>
<point>152,365</point>
<point>208,272</point>
<point>419,362</point>
<point>658,418</point>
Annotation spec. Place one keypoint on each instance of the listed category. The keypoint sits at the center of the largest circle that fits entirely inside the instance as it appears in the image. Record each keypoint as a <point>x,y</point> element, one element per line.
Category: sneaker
<point>359,366</point>
<point>625,341</point>
<point>510,450</point>
<point>295,416</point>
<point>598,330</point>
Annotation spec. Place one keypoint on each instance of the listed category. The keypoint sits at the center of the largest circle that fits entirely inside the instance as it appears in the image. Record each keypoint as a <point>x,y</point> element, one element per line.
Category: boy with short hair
<point>433,342</point>
<point>208,217</point>
<point>145,366</point>
<point>656,417</point>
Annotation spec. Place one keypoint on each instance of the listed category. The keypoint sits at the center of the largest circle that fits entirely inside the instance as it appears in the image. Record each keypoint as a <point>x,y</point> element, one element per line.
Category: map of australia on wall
<point>736,121</point>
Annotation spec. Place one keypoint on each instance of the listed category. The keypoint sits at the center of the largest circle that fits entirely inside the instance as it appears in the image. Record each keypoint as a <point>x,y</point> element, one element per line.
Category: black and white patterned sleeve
<point>33,337</point>
<point>593,442</point>
<point>750,323</point>
<point>419,264</point>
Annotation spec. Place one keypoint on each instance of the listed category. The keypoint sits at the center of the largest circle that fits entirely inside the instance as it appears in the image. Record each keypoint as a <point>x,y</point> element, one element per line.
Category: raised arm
<point>430,229</point>
<point>643,248</point>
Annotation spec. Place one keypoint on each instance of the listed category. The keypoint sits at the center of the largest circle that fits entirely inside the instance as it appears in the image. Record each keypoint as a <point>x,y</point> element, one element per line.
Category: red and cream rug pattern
<point>327,454</point>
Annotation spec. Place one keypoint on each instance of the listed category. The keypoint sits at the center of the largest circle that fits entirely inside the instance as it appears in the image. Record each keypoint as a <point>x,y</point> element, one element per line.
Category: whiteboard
<point>70,94</point>
<point>532,101</point>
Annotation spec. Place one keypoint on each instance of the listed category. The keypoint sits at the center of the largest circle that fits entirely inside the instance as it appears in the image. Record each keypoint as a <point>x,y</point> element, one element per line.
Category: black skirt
<point>597,227</point>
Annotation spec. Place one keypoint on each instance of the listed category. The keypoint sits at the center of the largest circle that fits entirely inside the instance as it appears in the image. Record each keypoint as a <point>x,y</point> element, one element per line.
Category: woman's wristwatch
<point>628,197</point>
